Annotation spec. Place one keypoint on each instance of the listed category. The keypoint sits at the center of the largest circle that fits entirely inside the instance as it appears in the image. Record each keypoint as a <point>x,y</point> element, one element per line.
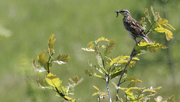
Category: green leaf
<point>51,44</point>
<point>116,73</point>
<point>42,60</point>
<point>42,84</point>
<point>110,46</point>
<point>143,22</point>
<point>147,15</point>
<point>37,68</point>
<point>156,15</point>
<point>99,59</point>
<point>76,80</point>
<point>171,99</point>
<point>88,72</point>
<point>61,59</point>
<point>52,80</point>
<point>131,84</point>
<point>134,79</point>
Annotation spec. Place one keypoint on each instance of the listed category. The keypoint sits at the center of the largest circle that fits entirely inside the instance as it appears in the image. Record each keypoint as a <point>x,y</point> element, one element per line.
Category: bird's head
<point>124,12</point>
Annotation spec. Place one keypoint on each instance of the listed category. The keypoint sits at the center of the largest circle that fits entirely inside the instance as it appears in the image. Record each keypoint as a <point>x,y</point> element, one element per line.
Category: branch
<point>107,82</point>
<point>119,82</point>
<point>61,94</point>
<point>50,55</point>
<point>149,30</point>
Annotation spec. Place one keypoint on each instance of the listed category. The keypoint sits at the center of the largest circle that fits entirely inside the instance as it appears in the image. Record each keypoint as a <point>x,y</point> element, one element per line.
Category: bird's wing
<point>135,27</point>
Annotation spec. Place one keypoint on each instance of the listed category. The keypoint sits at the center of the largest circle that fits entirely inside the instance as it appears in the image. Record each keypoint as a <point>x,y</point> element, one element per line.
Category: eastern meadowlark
<point>133,27</point>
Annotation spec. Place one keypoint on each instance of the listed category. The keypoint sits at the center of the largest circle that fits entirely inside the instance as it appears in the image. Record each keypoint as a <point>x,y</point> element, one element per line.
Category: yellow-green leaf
<point>143,23</point>
<point>130,94</point>
<point>171,99</point>
<point>148,47</point>
<point>159,87</point>
<point>61,59</point>
<point>37,68</point>
<point>42,60</point>
<point>99,76</point>
<point>110,46</point>
<point>96,93</point>
<point>50,44</point>
<point>76,80</point>
<point>154,14</point>
<point>131,84</point>
<point>167,32</point>
<point>68,98</point>
<point>123,60</point>
<point>42,84</point>
<point>90,45</point>
<point>147,15</point>
<point>96,87</point>
<point>52,80</point>
<point>115,60</point>
<point>101,39</point>
<point>164,22</point>
<point>149,90</point>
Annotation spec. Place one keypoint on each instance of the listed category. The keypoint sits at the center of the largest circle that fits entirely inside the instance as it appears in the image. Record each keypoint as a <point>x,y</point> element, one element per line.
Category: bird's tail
<point>147,39</point>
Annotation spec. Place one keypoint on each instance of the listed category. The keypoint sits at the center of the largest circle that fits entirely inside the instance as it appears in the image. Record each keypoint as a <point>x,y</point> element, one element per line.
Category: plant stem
<point>49,62</point>
<point>119,82</point>
<point>61,94</point>
<point>107,83</point>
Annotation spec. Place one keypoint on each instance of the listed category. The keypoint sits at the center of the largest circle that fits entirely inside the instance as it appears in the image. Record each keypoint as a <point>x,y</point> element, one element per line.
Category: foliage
<point>101,95</point>
<point>158,24</point>
<point>108,68</point>
<point>51,81</point>
<point>106,65</point>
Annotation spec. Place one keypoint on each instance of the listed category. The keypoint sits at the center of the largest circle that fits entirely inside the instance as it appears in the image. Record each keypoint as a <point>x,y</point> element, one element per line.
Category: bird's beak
<point>117,13</point>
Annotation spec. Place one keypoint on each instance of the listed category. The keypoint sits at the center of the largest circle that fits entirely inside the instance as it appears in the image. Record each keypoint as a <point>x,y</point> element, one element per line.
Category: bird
<point>133,27</point>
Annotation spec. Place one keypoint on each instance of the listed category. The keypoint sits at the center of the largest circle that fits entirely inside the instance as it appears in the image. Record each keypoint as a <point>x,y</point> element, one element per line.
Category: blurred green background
<point>75,23</point>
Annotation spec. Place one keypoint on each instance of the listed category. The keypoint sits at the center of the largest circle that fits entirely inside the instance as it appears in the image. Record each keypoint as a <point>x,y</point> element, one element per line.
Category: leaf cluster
<point>144,46</point>
<point>51,81</point>
<point>157,23</point>
<point>106,65</point>
<point>137,94</point>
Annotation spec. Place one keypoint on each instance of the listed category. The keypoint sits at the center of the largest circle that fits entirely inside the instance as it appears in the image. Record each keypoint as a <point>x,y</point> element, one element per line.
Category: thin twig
<point>119,82</point>
<point>150,28</point>
<point>50,55</point>
<point>61,94</point>
<point>107,82</point>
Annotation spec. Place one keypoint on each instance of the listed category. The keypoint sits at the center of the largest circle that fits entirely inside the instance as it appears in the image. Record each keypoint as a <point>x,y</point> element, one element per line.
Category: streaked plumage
<point>132,26</point>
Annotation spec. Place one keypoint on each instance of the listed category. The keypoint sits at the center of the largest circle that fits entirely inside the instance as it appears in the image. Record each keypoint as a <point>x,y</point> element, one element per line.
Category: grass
<point>74,23</point>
